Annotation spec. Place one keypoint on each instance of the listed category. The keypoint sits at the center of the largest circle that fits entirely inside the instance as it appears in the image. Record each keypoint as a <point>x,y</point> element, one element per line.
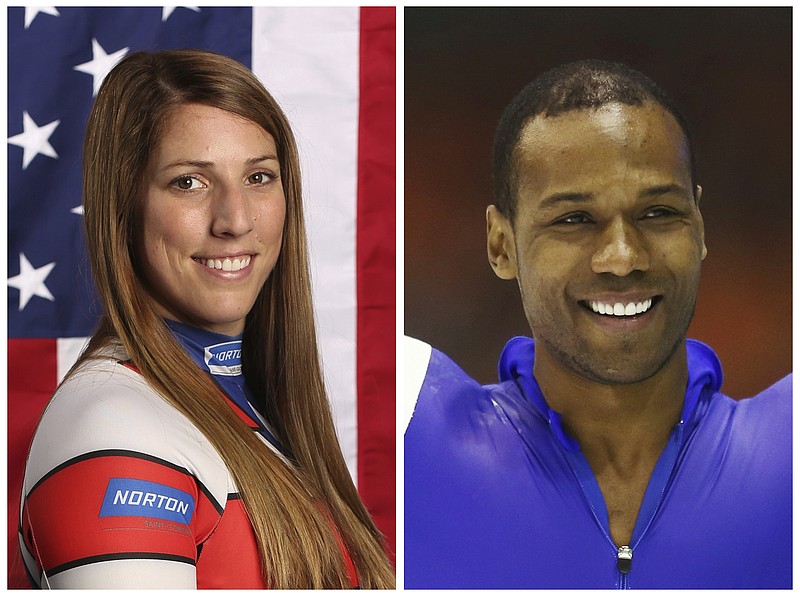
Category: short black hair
<point>584,84</point>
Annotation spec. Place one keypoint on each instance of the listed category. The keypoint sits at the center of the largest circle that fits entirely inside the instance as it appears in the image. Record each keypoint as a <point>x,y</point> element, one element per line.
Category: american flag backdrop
<point>333,72</point>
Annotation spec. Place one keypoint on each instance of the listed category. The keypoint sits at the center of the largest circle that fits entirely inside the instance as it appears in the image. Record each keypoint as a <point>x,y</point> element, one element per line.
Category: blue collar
<point>215,353</point>
<point>705,378</point>
<point>221,356</point>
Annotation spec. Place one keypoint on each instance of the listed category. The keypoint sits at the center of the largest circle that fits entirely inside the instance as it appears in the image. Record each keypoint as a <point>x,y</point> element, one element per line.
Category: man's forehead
<point>602,142</point>
<point>613,121</point>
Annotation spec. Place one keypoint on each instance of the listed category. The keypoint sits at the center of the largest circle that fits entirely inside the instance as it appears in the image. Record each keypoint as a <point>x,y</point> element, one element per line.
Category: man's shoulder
<point>772,406</point>
<point>766,415</point>
<point>780,391</point>
<point>438,391</point>
<point>774,399</point>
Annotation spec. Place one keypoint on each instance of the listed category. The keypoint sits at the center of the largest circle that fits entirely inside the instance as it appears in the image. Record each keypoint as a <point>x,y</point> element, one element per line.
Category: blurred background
<point>730,71</point>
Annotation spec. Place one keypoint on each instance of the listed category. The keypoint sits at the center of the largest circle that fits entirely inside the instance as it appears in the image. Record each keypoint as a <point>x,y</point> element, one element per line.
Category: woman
<point>192,444</point>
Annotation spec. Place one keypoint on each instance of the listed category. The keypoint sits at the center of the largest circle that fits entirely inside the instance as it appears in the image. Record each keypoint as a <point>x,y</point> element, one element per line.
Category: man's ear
<point>698,194</point>
<point>500,244</point>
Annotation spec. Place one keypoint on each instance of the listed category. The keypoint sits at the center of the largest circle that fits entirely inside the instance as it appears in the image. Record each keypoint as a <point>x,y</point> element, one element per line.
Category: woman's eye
<point>260,178</point>
<point>186,183</point>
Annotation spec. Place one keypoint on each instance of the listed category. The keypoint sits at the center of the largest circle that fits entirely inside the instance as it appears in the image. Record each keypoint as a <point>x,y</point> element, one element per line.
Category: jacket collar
<point>705,379</point>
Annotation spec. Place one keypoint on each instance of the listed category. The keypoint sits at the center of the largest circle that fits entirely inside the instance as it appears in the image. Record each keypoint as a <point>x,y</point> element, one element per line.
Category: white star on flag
<point>77,210</point>
<point>32,11</point>
<point>34,139</point>
<point>100,64</point>
<point>30,281</point>
<point>168,10</point>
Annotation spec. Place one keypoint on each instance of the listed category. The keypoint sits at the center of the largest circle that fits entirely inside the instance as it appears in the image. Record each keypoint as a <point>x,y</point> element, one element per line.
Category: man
<point>606,456</point>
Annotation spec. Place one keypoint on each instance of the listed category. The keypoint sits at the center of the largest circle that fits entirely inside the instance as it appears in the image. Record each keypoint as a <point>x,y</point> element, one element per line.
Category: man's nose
<point>621,250</point>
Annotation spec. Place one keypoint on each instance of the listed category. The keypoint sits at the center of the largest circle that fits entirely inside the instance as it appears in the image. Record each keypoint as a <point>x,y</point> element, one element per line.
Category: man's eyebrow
<point>570,198</point>
<point>663,189</point>
<point>200,164</point>
<point>574,198</point>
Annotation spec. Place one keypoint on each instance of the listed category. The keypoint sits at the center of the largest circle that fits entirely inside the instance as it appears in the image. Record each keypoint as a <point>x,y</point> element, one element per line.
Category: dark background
<point>730,71</point>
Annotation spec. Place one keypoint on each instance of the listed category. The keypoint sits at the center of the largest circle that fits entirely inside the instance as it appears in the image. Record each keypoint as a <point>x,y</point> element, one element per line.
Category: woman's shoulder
<point>114,471</point>
<point>106,407</point>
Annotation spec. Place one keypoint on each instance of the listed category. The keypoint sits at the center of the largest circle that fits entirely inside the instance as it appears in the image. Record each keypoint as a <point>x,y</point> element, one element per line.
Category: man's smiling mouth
<point>619,309</point>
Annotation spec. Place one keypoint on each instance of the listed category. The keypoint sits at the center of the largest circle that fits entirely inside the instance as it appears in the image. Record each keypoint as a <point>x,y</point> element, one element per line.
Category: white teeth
<point>621,310</point>
<point>227,265</point>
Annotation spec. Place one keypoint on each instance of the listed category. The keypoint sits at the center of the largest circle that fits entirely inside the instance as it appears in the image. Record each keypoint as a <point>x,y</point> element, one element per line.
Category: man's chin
<point>617,376</point>
<point>625,367</point>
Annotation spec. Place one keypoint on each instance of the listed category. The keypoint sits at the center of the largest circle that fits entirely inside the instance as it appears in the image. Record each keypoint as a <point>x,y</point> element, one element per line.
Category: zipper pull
<point>624,557</point>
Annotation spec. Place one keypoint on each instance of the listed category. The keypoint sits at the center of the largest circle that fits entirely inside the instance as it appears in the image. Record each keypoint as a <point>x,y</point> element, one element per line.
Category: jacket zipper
<point>624,554</point>
<point>623,581</point>
<point>624,561</point>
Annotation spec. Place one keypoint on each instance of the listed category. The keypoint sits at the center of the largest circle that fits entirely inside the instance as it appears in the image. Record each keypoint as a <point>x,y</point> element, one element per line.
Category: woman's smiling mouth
<point>226,264</point>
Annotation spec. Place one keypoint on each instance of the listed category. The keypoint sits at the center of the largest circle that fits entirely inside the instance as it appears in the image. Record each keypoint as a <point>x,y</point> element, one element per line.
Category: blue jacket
<point>497,495</point>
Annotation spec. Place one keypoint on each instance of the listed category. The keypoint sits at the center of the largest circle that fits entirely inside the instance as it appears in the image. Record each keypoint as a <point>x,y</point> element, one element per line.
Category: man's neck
<point>615,424</point>
<point>622,429</point>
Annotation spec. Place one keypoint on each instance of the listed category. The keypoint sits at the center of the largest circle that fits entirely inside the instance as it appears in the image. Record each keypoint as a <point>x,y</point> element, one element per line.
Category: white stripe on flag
<point>308,58</point>
<point>67,352</point>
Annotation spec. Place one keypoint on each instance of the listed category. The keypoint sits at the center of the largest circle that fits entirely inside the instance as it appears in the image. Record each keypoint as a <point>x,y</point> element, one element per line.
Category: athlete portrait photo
<point>218,426</point>
<point>606,450</point>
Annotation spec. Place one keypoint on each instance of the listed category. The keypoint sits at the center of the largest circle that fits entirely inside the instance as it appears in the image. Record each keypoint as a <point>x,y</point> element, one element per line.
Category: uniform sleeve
<point>417,355</point>
<point>119,489</point>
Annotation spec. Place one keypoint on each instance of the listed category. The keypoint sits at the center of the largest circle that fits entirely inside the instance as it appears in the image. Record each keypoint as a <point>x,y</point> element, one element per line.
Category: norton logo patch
<point>134,497</point>
<point>225,358</point>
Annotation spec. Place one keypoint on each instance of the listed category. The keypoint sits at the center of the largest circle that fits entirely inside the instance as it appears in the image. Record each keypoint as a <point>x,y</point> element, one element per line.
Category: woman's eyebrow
<point>262,158</point>
<point>207,164</point>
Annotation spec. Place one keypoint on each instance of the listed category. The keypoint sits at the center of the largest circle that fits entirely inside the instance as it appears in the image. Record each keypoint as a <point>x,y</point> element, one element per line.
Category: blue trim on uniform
<point>227,373</point>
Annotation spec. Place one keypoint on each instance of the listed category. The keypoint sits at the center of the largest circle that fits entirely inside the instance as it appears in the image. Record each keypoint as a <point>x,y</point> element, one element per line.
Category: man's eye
<point>186,183</point>
<point>574,219</point>
<point>659,212</point>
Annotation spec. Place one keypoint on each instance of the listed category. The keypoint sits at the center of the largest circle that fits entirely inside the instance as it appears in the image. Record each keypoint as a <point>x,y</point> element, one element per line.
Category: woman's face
<point>212,214</point>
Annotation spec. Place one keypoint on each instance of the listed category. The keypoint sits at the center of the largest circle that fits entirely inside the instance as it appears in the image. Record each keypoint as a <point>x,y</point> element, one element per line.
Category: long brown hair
<point>301,512</point>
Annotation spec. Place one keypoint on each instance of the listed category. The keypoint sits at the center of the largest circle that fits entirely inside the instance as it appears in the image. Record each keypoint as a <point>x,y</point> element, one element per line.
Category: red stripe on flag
<point>32,377</point>
<point>375,268</point>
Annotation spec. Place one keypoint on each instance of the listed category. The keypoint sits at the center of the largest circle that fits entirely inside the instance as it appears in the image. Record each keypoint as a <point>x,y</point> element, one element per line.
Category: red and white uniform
<point>122,491</point>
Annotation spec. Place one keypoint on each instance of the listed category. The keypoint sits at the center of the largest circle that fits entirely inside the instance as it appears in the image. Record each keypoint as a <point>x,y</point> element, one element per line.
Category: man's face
<point>607,241</point>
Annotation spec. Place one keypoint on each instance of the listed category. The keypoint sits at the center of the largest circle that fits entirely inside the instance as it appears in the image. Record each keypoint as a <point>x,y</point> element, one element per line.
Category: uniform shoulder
<point>106,406</point>
<point>443,391</point>
<point>780,390</point>
<point>775,399</point>
<point>767,414</point>
<point>773,405</point>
